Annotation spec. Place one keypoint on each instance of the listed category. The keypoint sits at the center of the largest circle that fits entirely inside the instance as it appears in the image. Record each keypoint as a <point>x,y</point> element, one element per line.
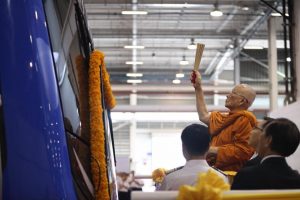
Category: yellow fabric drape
<point>210,186</point>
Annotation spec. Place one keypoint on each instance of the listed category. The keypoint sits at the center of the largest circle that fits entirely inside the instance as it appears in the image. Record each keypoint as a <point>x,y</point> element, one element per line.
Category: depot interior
<point>150,47</point>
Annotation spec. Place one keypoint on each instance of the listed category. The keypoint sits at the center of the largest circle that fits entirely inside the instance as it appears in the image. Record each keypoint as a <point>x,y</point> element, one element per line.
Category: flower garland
<point>158,175</point>
<point>96,123</point>
<point>108,95</point>
<point>210,186</point>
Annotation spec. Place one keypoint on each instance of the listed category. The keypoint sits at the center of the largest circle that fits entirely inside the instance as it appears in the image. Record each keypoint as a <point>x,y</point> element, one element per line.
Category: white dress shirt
<point>270,156</point>
<point>188,175</point>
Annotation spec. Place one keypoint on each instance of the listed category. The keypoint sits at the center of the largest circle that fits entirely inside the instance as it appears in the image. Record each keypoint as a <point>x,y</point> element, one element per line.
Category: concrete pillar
<point>296,31</point>
<point>132,133</point>
<point>216,98</point>
<point>272,62</point>
<point>237,69</point>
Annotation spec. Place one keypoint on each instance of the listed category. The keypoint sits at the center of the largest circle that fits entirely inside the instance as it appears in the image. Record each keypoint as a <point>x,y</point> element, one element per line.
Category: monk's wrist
<point>198,87</point>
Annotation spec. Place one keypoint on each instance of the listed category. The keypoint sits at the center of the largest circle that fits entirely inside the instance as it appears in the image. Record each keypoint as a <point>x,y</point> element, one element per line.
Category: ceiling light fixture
<point>245,8</point>
<point>216,11</point>
<point>133,47</point>
<point>134,81</point>
<point>288,59</point>
<point>134,12</point>
<point>134,63</point>
<point>231,46</point>
<point>134,74</point>
<point>253,47</point>
<point>179,75</point>
<point>192,45</point>
<point>275,14</point>
<point>183,61</point>
<point>176,81</point>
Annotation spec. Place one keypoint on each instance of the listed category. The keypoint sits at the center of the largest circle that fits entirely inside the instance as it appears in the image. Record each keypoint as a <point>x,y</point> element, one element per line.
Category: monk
<point>229,148</point>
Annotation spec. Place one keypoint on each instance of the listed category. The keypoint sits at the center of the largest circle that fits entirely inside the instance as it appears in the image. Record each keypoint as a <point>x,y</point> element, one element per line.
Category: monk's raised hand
<point>195,78</point>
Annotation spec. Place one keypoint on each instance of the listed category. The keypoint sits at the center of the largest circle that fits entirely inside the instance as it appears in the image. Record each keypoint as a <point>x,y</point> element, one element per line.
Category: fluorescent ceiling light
<point>134,63</point>
<point>192,46</point>
<point>179,75</point>
<point>216,13</point>
<point>134,81</point>
<point>134,74</point>
<point>184,62</point>
<point>134,12</point>
<point>245,8</point>
<point>133,47</point>
<point>176,81</point>
<point>253,47</point>
<point>288,59</point>
<point>276,14</point>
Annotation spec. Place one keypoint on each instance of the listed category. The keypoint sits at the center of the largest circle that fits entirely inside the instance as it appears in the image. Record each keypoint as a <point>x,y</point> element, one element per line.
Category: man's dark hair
<point>268,120</point>
<point>285,136</point>
<point>196,138</point>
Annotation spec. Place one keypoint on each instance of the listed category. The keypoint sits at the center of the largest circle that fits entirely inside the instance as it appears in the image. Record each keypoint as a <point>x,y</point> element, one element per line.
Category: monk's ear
<point>243,101</point>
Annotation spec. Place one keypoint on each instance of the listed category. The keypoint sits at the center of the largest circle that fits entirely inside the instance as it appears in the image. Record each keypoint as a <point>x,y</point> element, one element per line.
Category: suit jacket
<point>254,161</point>
<point>272,173</point>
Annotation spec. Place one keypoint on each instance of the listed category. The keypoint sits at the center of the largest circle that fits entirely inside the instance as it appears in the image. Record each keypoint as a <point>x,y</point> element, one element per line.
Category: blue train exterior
<point>34,83</point>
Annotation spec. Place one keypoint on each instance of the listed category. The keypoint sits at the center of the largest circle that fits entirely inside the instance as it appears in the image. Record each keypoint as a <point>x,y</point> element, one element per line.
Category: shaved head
<point>246,91</point>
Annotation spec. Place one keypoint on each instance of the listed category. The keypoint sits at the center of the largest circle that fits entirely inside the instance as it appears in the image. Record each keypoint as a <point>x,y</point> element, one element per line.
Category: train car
<point>45,147</point>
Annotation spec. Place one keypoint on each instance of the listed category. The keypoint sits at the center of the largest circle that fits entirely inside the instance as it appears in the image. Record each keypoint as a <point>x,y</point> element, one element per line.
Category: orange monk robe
<point>230,133</point>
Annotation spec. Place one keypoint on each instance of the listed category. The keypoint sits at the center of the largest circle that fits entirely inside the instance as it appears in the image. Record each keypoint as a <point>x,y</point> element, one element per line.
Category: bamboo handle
<point>199,52</point>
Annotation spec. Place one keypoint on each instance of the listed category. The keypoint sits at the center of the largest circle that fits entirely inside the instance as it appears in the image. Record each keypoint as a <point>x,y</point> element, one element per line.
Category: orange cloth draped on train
<point>230,133</point>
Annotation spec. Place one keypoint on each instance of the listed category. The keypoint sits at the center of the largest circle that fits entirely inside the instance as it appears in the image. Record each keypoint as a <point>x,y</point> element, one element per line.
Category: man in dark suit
<point>254,140</point>
<point>279,139</point>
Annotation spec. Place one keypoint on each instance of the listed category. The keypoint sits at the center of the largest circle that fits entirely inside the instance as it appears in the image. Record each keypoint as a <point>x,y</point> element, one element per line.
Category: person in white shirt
<point>195,143</point>
<point>135,184</point>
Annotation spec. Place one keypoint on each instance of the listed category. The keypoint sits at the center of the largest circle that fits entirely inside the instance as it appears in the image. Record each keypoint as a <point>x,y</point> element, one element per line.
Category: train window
<point>66,49</point>
<point>62,8</point>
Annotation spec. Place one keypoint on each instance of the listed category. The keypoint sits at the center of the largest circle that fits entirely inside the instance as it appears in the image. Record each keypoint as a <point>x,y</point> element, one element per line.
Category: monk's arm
<point>239,150</point>
<point>200,103</point>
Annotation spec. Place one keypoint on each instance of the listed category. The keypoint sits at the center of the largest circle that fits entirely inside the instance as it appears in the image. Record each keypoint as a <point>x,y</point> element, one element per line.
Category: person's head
<point>257,131</point>
<point>280,137</point>
<point>195,141</point>
<point>240,98</point>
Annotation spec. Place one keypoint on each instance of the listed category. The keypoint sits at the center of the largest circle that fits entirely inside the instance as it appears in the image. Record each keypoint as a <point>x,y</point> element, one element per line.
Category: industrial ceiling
<point>239,35</point>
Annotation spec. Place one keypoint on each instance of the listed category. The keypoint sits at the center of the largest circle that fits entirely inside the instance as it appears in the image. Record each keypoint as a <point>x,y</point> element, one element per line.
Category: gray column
<point>296,30</point>
<point>272,62</point>
<point>134,35</point>
<point>237,69</point>
<point>132,132</point>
